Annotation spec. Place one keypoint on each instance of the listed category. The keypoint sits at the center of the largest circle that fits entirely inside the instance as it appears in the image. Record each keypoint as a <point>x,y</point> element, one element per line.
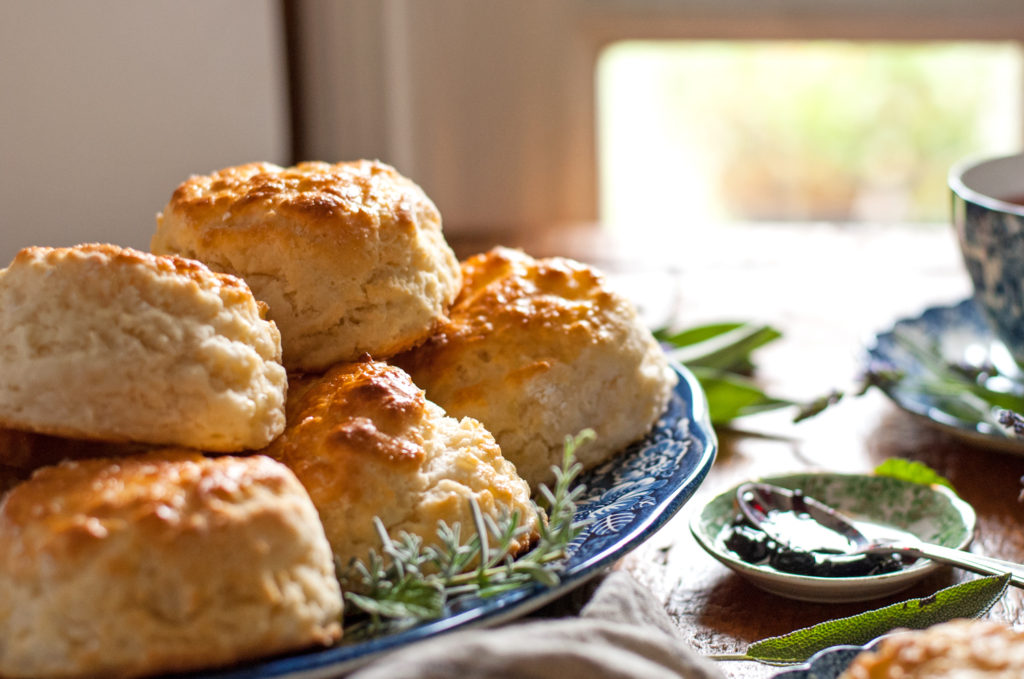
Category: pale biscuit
<point>366,443</point>
<point>959,649</point>
<point>159,563</point>
<point>349,257</point>
<point>538,350</point>
<point>109,343</point>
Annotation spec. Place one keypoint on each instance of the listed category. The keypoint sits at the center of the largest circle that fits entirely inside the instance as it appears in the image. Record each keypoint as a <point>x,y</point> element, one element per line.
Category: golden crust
<point>959,649</point>
<point>365,442</point>
<point>344,200</point>
<point>539,349</point>
<point>67,508</point>
<point>364,411</point>
<point>507,288</point>
<point>146,565</point>
<point>349,257</point>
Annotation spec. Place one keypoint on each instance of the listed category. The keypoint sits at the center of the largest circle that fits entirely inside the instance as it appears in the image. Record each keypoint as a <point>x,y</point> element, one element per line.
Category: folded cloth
<point>622,633</point>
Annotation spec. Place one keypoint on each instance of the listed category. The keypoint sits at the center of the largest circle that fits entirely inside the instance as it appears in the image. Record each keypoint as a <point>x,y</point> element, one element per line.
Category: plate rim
<point>329,662</point>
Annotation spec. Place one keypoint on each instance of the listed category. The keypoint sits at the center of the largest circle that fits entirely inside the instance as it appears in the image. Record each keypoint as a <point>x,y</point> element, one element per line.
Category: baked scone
<point>109,343</point>
<point>365,442</point>
<point>540,349</point>
<point>349,257</point>
<point>959,649</point>
<point>159,563</point>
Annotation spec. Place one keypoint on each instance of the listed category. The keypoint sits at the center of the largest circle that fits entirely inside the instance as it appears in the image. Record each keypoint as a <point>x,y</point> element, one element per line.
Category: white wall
<point>106,106</point>
<point>487,105</point>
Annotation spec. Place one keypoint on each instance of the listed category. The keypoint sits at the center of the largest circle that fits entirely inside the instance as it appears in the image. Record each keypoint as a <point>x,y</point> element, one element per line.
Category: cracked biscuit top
<point>350,257</point>
<point>366,443</point>
<point>540,349</point>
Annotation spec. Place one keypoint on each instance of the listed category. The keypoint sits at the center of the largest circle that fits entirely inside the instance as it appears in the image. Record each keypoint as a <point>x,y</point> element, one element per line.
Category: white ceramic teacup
<point>988,213</point>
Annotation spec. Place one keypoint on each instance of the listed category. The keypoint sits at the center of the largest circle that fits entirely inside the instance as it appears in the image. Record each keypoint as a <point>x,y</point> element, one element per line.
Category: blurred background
<point>658,117</point>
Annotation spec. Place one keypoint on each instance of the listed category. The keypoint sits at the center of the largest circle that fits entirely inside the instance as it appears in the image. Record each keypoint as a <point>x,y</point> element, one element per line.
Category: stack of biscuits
<point>195,441</point>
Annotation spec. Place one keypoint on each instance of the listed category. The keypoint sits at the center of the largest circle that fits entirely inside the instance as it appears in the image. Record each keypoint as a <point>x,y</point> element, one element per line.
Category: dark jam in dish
<point>755,547</point>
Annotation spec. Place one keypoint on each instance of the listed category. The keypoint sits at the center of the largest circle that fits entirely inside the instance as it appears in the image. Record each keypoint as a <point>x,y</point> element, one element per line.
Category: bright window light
<point>692,133</point>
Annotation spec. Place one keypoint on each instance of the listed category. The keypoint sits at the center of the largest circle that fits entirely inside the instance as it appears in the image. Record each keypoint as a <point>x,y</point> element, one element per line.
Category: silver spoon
<point>757,501</point>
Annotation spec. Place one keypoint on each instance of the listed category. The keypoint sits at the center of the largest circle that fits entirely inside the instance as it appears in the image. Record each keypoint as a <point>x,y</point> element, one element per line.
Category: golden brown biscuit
<point>160,563</point>
<point>538,350</point>
<point>350,257</point>
<point>365,442</point>
<point>109,343</point>
<point>960,649</point>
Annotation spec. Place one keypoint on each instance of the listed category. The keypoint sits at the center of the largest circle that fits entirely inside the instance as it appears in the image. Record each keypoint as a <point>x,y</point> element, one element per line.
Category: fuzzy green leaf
<point>731,396</point>
<point>913,471</point>
<point>720,357</point>
<point>729,351</point>
<point>695,335</point>
<point>966,600</point>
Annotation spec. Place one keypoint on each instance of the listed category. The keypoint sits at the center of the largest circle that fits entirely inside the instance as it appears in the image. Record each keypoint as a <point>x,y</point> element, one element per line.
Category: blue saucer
<point>960,334</point>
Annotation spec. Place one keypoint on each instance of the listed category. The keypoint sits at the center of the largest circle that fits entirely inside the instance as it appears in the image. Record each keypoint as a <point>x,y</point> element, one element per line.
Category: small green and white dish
<point>932,513</point>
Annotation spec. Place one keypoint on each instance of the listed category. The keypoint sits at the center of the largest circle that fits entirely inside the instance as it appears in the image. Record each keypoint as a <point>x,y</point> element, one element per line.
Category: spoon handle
<point>976,563</point>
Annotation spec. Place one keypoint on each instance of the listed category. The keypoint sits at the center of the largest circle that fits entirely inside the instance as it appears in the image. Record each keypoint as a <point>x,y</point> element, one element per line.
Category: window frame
<point>491,106</point>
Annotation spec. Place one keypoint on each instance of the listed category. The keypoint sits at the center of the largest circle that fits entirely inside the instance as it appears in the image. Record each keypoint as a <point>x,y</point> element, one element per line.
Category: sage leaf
<point>817,405</point>
<point>731,396</point>
<point>695,335</point>
<point>728,350</point>
<point>913,471</point>
<point>719,356</point>
<point>970,599</point>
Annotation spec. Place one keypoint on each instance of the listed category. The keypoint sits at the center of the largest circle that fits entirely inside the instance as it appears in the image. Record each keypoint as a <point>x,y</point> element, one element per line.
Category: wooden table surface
<point>828,288</point>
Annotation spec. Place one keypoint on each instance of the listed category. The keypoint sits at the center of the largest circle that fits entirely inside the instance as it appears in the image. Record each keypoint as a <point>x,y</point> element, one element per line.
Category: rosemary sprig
<point>407,583</point>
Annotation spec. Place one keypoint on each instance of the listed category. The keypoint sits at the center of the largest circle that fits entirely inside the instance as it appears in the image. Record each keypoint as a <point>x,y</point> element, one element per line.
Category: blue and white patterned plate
<point>626,501</point>
<point>961,335</point>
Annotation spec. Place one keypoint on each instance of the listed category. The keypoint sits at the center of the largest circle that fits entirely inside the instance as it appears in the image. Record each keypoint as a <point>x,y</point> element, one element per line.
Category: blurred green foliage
<point>806,130</point>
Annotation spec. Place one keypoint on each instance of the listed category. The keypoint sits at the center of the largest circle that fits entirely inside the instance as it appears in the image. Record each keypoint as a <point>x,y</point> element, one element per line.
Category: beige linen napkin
<point>622,633</point>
